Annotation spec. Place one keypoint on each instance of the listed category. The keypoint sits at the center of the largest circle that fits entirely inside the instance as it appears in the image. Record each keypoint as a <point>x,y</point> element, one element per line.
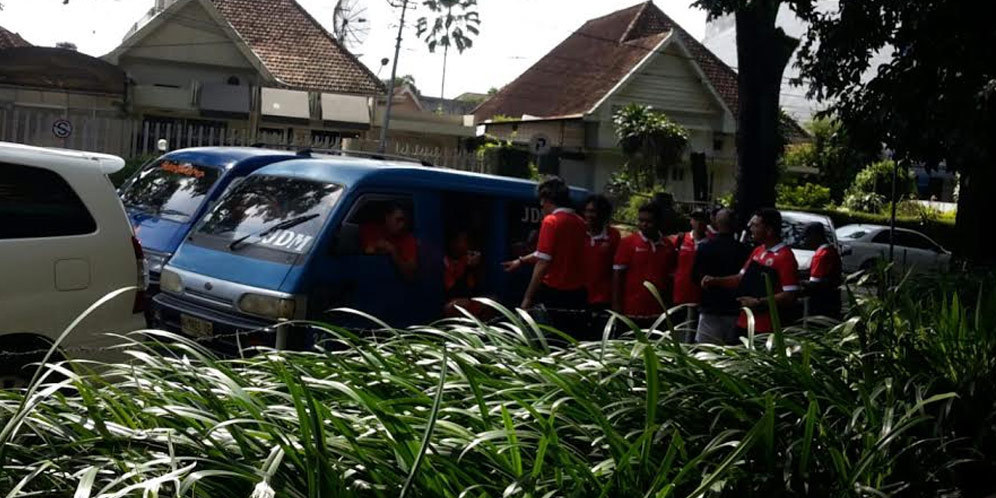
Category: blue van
<point>284,244</point>
<point>167,196</point>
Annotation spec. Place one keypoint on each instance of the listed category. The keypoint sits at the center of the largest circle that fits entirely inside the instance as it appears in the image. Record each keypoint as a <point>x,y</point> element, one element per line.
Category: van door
<point>373,283</point>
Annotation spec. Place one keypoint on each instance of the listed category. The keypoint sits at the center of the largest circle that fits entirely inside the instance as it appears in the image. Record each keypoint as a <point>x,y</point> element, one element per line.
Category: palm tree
<point>449,28</point>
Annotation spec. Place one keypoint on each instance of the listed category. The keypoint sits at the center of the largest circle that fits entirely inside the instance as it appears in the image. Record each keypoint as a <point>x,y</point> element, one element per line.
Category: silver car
<point>914,251</point>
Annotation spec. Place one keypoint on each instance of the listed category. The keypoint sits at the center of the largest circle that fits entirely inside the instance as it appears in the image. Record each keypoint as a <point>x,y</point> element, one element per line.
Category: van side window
<point>369,220</point>
<point>36,202</point>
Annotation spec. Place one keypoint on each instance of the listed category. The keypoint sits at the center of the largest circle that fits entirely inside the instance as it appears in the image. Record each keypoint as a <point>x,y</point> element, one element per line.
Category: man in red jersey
<point>645,256</point>
<point>772,257</point>
<point>603,241</point>
<point>825,273</point>
<point>686,289</point>
<point>558,282</point>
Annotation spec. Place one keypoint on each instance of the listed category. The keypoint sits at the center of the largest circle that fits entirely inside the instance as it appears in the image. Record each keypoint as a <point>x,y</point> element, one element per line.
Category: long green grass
<point>890,402</point>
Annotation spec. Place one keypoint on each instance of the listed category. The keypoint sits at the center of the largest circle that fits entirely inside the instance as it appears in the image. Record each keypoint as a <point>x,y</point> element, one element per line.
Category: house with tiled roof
<point>267,71</point>
<point>635,55</point>
<point>9,39</point>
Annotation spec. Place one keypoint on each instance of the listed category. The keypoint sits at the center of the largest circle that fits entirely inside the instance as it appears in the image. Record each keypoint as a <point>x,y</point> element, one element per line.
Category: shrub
<point>893,402</point>
<point>804,196</point>
<point>864,202</point>
<point>504,159</point>
<point>651,142</point>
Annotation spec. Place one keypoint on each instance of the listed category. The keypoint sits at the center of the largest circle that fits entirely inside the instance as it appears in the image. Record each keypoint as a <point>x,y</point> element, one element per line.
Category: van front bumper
<point>229,330</point>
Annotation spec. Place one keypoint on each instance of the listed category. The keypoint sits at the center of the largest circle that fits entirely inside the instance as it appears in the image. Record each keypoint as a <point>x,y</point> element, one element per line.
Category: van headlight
<point>268,306</point>
<point>170,281</point>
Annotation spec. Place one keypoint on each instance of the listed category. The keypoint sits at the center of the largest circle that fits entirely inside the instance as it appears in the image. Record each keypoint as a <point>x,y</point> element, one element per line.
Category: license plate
<point>195,326</point>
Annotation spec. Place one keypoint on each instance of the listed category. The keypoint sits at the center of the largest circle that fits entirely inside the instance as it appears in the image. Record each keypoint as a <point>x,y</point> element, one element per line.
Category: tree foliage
<point>833,152</point>
<point>454,23</point>
<point>934,101</point>
<point>651,142</point>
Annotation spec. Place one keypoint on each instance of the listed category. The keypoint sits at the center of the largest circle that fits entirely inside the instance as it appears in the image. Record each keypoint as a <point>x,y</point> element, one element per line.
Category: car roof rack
<point>305,151</point>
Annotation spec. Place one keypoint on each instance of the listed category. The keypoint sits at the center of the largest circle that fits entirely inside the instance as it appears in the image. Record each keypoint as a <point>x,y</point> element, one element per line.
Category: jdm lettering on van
<point>287,240</point>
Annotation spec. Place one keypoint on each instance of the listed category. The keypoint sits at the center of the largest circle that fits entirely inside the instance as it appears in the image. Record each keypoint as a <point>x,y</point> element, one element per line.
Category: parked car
<point>914,251</point>
<point>65,243</point>
<point>284,244</point>
<point>167,196</point>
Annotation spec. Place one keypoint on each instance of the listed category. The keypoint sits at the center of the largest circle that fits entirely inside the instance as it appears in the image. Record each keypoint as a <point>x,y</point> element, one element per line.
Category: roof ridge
<point>632,23</point>
<point>610,14</point>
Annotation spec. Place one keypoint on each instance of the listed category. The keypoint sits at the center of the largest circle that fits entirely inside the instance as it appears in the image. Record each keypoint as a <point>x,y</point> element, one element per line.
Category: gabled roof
<point>10,39</point>
<point>295,48</point>
<point>282,41</point>
<point>589,64</point>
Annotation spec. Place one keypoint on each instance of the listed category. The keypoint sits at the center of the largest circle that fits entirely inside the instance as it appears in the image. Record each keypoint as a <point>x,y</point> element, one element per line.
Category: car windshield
<point>269,216</point>
<point>170,189</point>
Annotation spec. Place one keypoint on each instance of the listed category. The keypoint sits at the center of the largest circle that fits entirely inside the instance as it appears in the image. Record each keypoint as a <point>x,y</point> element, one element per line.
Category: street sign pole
<point>382,147</point>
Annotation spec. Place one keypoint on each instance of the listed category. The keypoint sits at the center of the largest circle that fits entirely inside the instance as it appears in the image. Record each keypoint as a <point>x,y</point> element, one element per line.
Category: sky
<point>514,33</point>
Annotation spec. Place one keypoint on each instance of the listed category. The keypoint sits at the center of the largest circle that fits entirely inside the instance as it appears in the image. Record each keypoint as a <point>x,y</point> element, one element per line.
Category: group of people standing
<point>583,263</point>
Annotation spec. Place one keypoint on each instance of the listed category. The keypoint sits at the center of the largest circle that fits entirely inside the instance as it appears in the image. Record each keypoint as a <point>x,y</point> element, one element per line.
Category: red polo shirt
<point>562,239</point>
<point>598,255</point>
<point>643,261</point>
<point>372,233</point>
<point>686,290</point>
<point>826,265</point>
<point>780,259</point>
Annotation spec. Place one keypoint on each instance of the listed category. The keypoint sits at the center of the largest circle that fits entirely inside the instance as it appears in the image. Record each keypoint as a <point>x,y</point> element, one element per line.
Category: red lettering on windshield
<point>182,169</point>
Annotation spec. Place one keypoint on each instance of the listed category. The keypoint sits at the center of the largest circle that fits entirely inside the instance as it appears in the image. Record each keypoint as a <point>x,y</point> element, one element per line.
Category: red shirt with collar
<point>644,261</point>
<point>780,259</point>
<point>598,255</point>
<point>826,265</point>
<point>686,290</point>
<point>562,239</point>
<point>372,233</point>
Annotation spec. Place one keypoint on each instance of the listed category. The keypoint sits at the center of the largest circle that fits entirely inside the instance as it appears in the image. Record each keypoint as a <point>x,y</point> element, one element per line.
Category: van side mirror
<point>846,251</point>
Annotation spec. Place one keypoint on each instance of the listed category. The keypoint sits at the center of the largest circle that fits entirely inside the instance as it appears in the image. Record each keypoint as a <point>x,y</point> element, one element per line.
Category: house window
<point>678,174</point>
<point>717,144</point>
<point>234,81</point>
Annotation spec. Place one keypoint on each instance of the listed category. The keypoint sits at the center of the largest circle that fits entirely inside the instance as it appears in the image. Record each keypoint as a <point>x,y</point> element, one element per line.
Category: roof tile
<point>296,49</point>
<point>9,39</point>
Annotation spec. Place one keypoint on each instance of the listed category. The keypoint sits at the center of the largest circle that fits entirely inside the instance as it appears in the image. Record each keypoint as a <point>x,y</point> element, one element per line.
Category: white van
<point>65,243</point>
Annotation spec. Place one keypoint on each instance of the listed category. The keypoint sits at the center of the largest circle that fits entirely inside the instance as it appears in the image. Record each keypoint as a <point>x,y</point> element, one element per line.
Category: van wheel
<point>19,360</point>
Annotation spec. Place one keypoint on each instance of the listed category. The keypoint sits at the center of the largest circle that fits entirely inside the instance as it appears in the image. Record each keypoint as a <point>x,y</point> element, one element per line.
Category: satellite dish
<point>350,24</point>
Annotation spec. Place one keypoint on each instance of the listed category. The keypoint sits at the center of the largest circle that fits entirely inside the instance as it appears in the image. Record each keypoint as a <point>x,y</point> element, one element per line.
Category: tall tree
<point>934,101</point>
<point>763,51</point>
<point>456,23</point>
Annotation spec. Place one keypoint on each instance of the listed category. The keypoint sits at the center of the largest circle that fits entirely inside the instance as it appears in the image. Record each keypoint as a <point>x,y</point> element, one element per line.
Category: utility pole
<point>382,148</point>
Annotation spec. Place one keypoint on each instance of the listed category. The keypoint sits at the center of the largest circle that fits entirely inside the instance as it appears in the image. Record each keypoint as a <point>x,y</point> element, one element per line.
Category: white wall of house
<point>192,36</point>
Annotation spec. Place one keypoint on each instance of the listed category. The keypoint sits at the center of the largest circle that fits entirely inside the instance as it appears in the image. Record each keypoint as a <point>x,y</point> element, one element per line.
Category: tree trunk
<point>976,203</point>
<point>763,51</point>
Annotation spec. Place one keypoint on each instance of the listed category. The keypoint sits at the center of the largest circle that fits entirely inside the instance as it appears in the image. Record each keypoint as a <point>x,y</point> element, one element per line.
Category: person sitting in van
<point>392,236</point>
<point>461,276</point>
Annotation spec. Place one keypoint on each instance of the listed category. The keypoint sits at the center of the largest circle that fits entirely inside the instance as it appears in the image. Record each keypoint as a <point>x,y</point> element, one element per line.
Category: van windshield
<point>270,217</point>
<point>170,189</point>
